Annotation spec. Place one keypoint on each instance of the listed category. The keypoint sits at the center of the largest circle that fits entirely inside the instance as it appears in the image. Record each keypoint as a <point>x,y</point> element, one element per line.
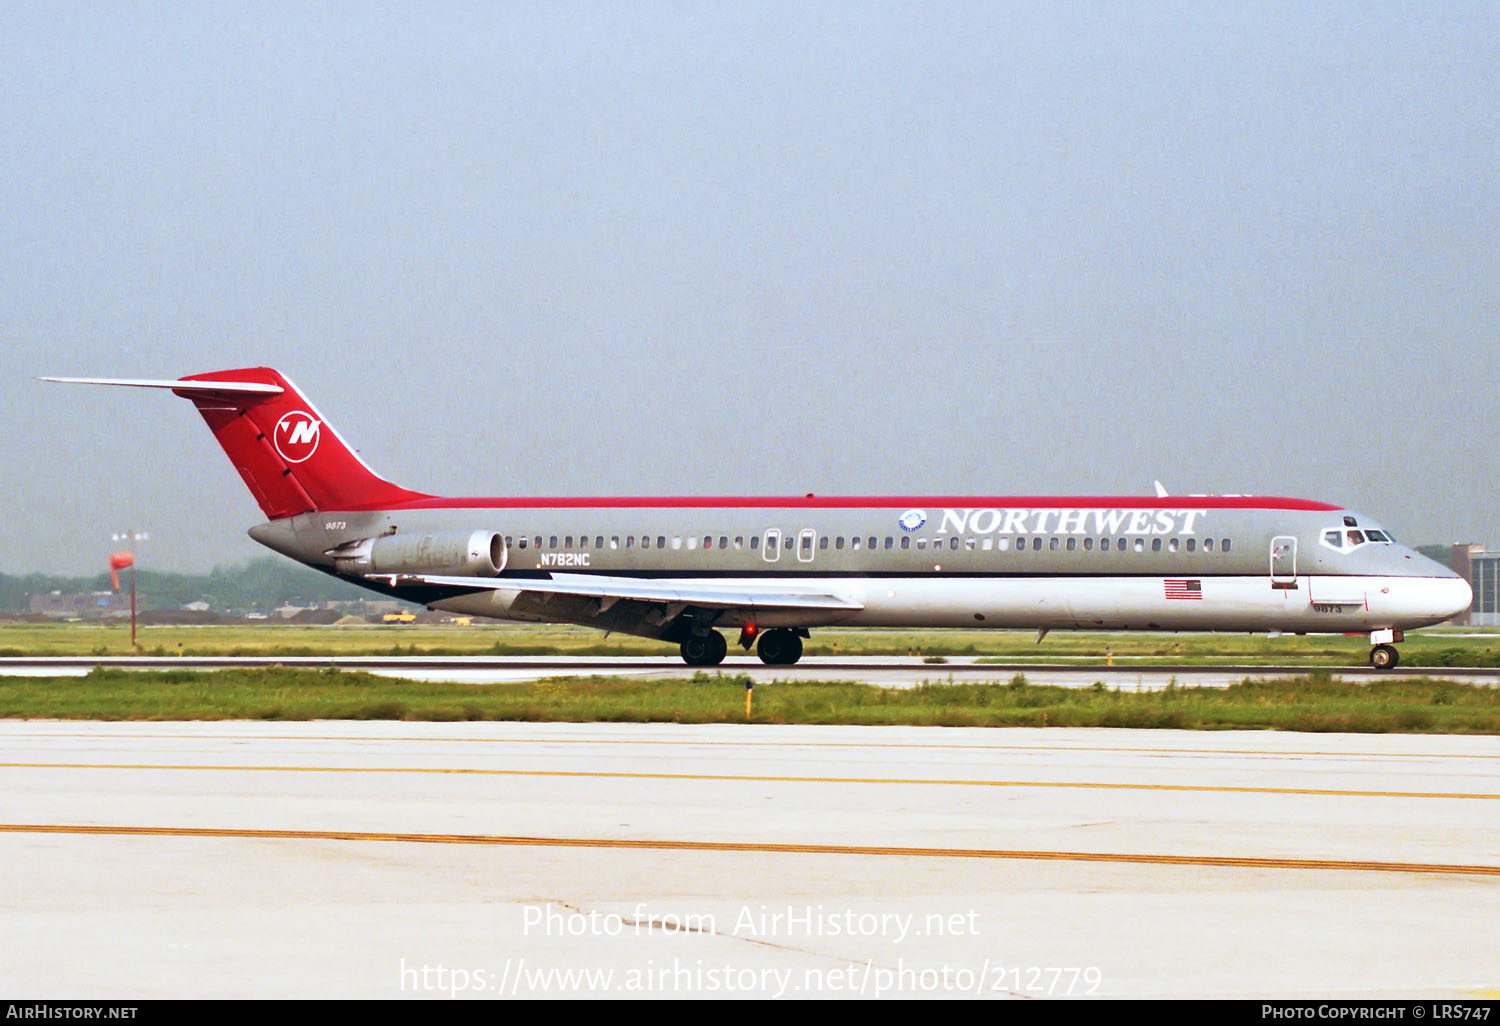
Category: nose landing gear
<point>1383,656</point>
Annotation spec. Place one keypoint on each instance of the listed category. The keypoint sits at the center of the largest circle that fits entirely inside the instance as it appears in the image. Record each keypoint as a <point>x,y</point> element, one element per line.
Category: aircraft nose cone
<point>1455,596</point>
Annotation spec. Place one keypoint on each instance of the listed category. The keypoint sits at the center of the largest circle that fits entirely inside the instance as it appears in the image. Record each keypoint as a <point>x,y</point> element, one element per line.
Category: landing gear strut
<point>1383,655</point>
<point>704,649</point>
<point>779,647</point>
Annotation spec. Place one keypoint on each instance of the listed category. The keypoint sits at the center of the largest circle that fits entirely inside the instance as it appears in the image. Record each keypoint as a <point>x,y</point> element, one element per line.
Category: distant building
<point>84,606</point>
<point>1481,568</point>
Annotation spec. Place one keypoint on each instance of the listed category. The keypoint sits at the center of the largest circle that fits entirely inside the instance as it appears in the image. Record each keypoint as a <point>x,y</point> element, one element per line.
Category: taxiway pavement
<point>388,860</point>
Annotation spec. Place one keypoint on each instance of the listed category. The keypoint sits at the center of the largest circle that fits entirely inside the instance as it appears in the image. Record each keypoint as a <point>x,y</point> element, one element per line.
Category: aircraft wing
<point>704,594</point>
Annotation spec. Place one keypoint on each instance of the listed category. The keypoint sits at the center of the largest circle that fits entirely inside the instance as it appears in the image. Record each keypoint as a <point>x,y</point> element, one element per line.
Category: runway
<point>884,671</point>
<point>386,860</point>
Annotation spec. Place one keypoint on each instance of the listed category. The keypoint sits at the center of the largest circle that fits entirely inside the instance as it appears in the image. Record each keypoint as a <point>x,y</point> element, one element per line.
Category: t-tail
<point>289,456</point>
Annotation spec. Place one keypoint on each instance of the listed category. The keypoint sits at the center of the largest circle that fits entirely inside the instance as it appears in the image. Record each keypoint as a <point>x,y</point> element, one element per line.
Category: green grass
<point>1427,648</point>
<point>1313,703</point>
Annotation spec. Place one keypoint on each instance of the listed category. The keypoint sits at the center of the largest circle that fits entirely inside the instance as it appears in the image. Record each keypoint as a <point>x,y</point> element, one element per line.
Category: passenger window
<point>661,541</point>
<point>872,542</point>
<point>1140,545</point>
<point>1192,544</point>
<point>889,540</point>
<point>969,544</point>
<point>1172,545</point>
<point>1103,544</point>
<point>599,541</point>
<point>523,543</point>
<point>953,543</point>
<point>754,542</point>
<point>1208,544</point>
<point>921,543</point>
<point>807,543</point>
<point>1036,545</point>
<point>823,542</point>
<point>1088,545</point>
<point>537,541</point>
<point>1052,544</point>
<point>614,541</point>
<point>1072,544</point>
<point>509,541</point>
<point>1155,544</point>
<point>1225,546</point>
<point>838,542</point>
<point>630,541</point>
<point>645,541</point>
<point>905,542</point>
<point>692,541</point>
<point>708,542</point>
<point>1020,544</point>
<point>739,541</point>
<point>723,542</point>
<point>1004,544</point>
<point>676,541</point>
<point>568,542</point>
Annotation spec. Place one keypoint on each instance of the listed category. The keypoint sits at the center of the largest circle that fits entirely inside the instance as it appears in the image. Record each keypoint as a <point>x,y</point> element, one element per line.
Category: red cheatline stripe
<point>868,502</point>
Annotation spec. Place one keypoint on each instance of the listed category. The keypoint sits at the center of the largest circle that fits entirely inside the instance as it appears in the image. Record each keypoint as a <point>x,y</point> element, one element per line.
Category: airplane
<point>683,570</point>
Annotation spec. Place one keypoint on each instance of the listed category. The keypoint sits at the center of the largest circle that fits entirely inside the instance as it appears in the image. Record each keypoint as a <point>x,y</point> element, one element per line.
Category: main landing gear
<point>780,647</point>
<point>1383,654</point>
<point>704,649</point>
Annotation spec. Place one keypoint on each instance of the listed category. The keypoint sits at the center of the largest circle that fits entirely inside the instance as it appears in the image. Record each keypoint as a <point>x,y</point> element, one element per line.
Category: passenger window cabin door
<point>806,546</point>
<point>770,547</point>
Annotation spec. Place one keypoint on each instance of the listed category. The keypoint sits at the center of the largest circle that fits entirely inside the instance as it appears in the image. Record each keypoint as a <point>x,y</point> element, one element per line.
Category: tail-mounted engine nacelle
<point>475,554</point>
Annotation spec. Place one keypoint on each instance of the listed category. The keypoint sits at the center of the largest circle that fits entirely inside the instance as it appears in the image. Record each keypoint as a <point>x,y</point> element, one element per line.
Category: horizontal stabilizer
<point>184,388</point>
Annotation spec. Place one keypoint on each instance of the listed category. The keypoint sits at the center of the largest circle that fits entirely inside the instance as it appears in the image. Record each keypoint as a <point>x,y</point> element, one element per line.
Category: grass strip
<point>1438,648</point>
<point>1317,702</point>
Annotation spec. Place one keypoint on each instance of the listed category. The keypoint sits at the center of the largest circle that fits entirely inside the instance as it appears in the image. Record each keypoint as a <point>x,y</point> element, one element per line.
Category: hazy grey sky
<point>615,248</point>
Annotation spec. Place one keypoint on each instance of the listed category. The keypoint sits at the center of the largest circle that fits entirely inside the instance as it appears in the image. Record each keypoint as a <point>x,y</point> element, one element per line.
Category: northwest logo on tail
<point>296,436</point>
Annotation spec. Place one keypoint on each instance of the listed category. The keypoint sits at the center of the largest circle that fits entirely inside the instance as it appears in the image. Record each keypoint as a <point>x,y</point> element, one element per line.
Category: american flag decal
<point>1184,589</point>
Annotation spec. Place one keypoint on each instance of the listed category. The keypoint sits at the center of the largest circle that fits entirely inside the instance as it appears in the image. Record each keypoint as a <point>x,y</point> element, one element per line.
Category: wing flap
<point>706,594</point>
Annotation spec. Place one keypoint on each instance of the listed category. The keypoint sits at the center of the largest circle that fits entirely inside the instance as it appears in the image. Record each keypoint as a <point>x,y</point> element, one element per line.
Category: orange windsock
<point>119,561</point>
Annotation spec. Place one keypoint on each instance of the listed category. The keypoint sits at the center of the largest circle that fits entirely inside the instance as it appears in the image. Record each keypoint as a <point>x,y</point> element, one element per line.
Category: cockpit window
<point>1333,538</point>
<point>1355,537</point>
<point>1376,536</point>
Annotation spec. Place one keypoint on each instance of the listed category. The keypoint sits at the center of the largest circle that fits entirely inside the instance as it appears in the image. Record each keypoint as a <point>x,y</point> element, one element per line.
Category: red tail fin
<point>292,460</point>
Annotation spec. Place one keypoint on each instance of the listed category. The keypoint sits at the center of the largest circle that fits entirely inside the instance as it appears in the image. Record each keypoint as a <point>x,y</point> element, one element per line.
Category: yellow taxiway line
<point>750,778</point>
<point>753,847</point>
